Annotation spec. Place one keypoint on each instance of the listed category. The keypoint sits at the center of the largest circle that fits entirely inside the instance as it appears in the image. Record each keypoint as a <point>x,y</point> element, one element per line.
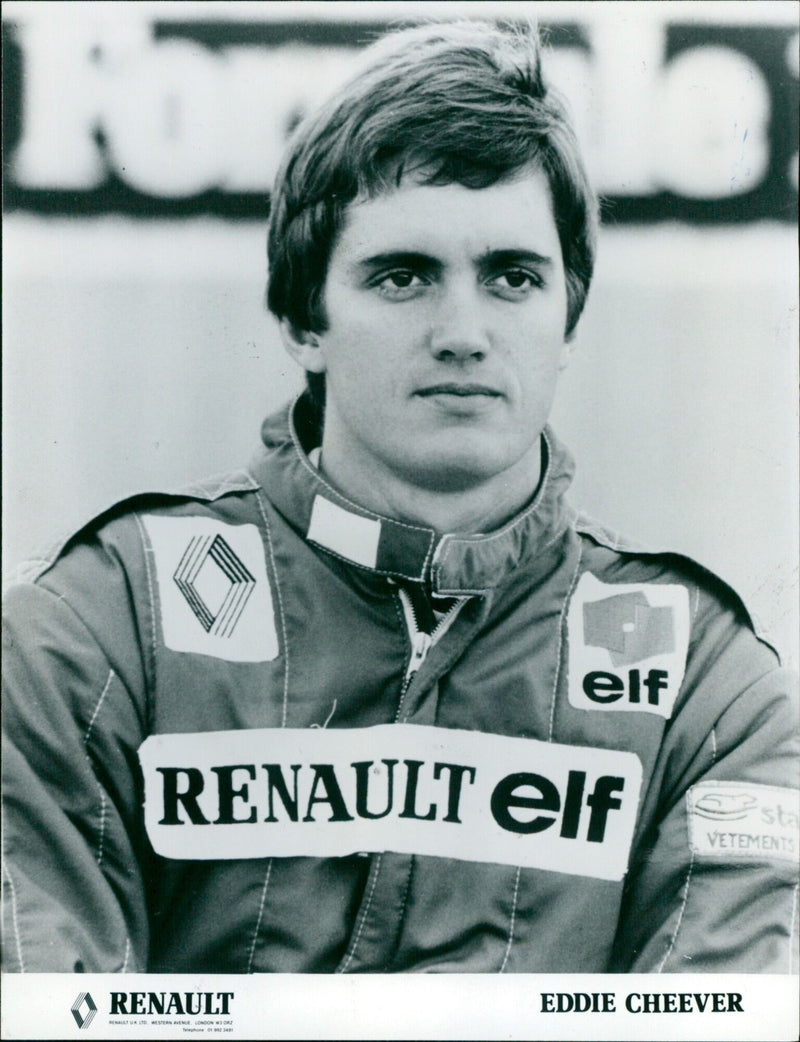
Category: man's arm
<point>74,716</point>
<point>713,886</point>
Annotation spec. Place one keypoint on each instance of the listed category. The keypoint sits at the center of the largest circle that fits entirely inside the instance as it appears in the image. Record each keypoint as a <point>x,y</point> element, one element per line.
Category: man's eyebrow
<point>399,259</point>
<point>416,259</point>
<point>505,258</point>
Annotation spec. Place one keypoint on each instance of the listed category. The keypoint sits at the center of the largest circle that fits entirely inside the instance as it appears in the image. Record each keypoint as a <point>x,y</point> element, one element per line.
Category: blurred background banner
<point>140,141</point>
<point>172,110</point>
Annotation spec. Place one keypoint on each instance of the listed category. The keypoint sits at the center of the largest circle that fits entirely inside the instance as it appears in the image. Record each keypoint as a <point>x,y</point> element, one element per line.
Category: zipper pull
<point>419,649</point>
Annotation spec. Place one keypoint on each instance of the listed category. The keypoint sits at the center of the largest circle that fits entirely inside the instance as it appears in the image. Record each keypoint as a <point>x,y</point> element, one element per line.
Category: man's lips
<point>459,390</point>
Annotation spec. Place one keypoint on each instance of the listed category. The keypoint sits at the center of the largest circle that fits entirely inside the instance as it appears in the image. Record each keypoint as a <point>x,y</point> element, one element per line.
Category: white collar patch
<point>344,533</point>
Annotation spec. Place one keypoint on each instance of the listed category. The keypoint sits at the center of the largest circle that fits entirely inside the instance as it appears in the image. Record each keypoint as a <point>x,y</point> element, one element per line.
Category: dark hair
<point>452,102</point>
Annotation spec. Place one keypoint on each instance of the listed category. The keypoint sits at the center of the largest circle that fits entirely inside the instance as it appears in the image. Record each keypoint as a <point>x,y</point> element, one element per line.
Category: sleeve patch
<point>743,819</point>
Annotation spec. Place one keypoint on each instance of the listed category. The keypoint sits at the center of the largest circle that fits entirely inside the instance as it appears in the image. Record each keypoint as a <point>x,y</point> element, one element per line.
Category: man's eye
<point>516,280</point>
<point>398,281</point>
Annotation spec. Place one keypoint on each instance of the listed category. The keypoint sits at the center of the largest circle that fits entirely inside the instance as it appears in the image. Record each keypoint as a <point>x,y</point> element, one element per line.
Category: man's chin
<point>454,473</point>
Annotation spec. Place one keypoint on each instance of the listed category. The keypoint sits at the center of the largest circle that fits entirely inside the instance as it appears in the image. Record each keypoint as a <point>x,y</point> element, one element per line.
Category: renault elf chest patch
<point>405,788</point>
<point>213,590</point>
<point>627,645</point>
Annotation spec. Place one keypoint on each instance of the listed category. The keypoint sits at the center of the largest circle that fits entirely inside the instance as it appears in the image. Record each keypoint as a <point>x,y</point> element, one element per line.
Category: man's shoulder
<point>615,558</point>
<point>121,514</point>
<point>607,550</point>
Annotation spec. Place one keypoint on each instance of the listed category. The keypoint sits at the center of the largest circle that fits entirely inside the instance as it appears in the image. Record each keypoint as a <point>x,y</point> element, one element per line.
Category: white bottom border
<point>453,1006</point>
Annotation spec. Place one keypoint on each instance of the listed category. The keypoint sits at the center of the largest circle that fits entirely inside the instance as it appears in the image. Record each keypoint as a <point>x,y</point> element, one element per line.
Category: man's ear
<point>303,346</point>
<point>566,352</point>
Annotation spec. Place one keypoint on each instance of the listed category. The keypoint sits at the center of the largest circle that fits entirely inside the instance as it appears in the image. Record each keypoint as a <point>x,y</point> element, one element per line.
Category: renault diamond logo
<point>215,583</point>
<point>84,1009</point>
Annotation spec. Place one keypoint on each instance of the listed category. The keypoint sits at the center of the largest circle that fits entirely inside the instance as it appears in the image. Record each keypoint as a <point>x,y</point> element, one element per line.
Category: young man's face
<point>446,310</point>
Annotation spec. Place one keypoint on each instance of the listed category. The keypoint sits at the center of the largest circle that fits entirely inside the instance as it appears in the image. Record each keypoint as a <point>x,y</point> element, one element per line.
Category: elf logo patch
<point>627,645</point>
<point>213,588</point>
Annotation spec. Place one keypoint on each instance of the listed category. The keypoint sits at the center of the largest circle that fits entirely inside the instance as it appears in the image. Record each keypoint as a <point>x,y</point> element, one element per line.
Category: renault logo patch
<point>627,645</point>
<point>213,588</point>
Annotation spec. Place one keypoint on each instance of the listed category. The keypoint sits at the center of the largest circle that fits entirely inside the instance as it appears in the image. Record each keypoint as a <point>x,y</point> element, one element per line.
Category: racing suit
<point>600,683</point>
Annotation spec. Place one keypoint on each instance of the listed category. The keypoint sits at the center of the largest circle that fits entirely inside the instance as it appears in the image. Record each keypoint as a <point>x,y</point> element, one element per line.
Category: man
<point>384,702</point>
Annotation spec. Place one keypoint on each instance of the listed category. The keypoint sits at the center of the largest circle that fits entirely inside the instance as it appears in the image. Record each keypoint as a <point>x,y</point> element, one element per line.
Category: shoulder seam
<point>611,540</point>
<point>32,569</point>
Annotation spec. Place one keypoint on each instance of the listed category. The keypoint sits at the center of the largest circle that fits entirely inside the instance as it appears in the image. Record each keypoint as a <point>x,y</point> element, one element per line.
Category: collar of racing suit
<point>454,564</point>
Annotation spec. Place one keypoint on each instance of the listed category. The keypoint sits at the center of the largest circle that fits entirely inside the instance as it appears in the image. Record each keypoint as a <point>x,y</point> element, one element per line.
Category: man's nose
<point>459,330</point>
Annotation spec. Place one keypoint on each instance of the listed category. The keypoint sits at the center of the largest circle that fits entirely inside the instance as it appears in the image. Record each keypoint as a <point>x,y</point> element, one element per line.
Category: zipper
<point>422,642</point>
<point>420,645</point>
